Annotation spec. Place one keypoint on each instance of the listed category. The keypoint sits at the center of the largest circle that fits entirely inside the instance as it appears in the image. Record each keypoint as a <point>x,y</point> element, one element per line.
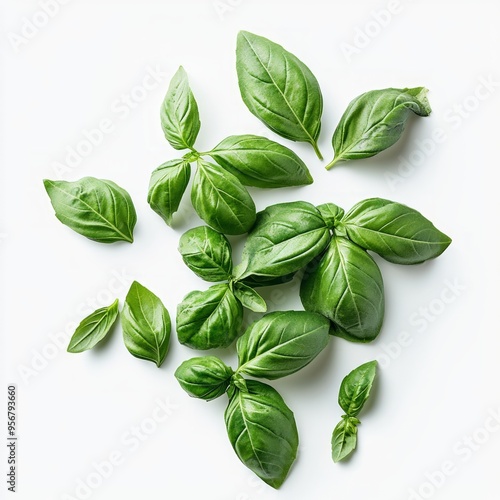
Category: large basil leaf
<point>96,208</point>
<point>249,297</point>
<point>279,89</point>
<point>260,162</point>
<point>355,388</point>
<point>221,200</point>
<point>167,186</point>
<point>179,115</point>
<point>262,431</point>
<point>209,319</point>
<point>207,253</point>
<point>205,378</point>
<point>281,343</point>
<point>285,238</point>
<point>146,324</point>
<point>344,438</point>
<point>375,121</point>
<point>396,232</point>
<point>347,288</point>
<point>93,328</point>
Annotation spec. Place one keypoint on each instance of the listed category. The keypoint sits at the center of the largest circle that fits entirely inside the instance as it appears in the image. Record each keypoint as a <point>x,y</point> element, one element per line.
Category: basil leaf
<point>262,431</point>
<point>281,343</point>
<point>259,281</point>
<point>179,115</point>
<point>285,238</point>
<point>396,232</point>
<point>279,89</point>
<point>204,378</point>
<point>167,186</point>
<point>207,253</point>
<point>93,328</point>
<point>146,325</point>
<point>209,319</point>
<point>260,162</point>
<point>221,200</point>
<point>374,121</point>
<point>95,208</point>
<point>249,298</point>
<point>347,288</point>
<point>355,388</point>
<point>332,214</point>
<point>344,438</point>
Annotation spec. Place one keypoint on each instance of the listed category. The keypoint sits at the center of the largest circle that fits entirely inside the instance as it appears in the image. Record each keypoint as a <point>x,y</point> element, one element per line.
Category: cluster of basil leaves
<point>342,288</point>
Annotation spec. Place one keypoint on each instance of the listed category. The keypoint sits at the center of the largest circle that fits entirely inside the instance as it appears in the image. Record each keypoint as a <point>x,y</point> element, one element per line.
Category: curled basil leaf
<point>207,253</point>
<point>260,162</point>
<point>209,319</point>
<point>167,186</point>
<point>180,118</point>
<point>221,200</point>
<point>332,214</point>
<point>374,121</point>
<point>355,388</point>
<point>262,431</point>
<point>260,281</point>
<point>347,288</point>
<point>285,238</point>
<point>93,328</point>
<point>279,89</point>
<point>396,232</point>
<point>344,438</point>
<point>204,378</point>
<point>249,297</point>
<point>95,208</point>
<point>281,343</point>
<point>146,325</point>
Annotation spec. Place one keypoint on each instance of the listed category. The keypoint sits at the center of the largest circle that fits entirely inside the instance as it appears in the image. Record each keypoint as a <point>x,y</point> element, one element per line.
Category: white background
<point>434,395</point>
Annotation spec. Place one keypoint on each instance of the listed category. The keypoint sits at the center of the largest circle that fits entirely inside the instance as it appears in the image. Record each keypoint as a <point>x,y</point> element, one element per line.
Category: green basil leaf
<point>347,288</point>
<point>344,438</point>
<point>167,186</point>
<point>281,343</point>
<point>249,298</point>
<point>179,115</point>
<point>279,89</point>
<point>374,121</point>
<point>285,238</point>
<point>209,319</point>
<point>332,214</point>
<point>204,378</point>
<point>355,388</point>
<point>146,325</point>
<point>255,281</point>
<point>260,162</point>
<point>96,208</point>
<point>207,253</point>
<point>396,232</point>
<point>93,328</point>
<point>221,200</point>
<point>262,431</point>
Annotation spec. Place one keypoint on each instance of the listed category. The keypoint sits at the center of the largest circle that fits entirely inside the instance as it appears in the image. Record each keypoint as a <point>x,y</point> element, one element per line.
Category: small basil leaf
<point>396,232</point>
<point>285,238</point>
<point>204,378</point>
<point>221,200</point>
<point>347,288</point>
<point>180,119</point>
<point>332,214</point>
<point>93,328</point>
<point>260,162</point>
<point>209,319</point>
<point>374,121</point>
<point>249,298</point>
<point>355,388</point>
<point>167,186</point>
<point>262,431</point>
<point>207,253</point>
<point>279,89</point>
<point>96,208</point>
<point>344,438</point>
<point>146,325</point>
<point>281,343</point>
